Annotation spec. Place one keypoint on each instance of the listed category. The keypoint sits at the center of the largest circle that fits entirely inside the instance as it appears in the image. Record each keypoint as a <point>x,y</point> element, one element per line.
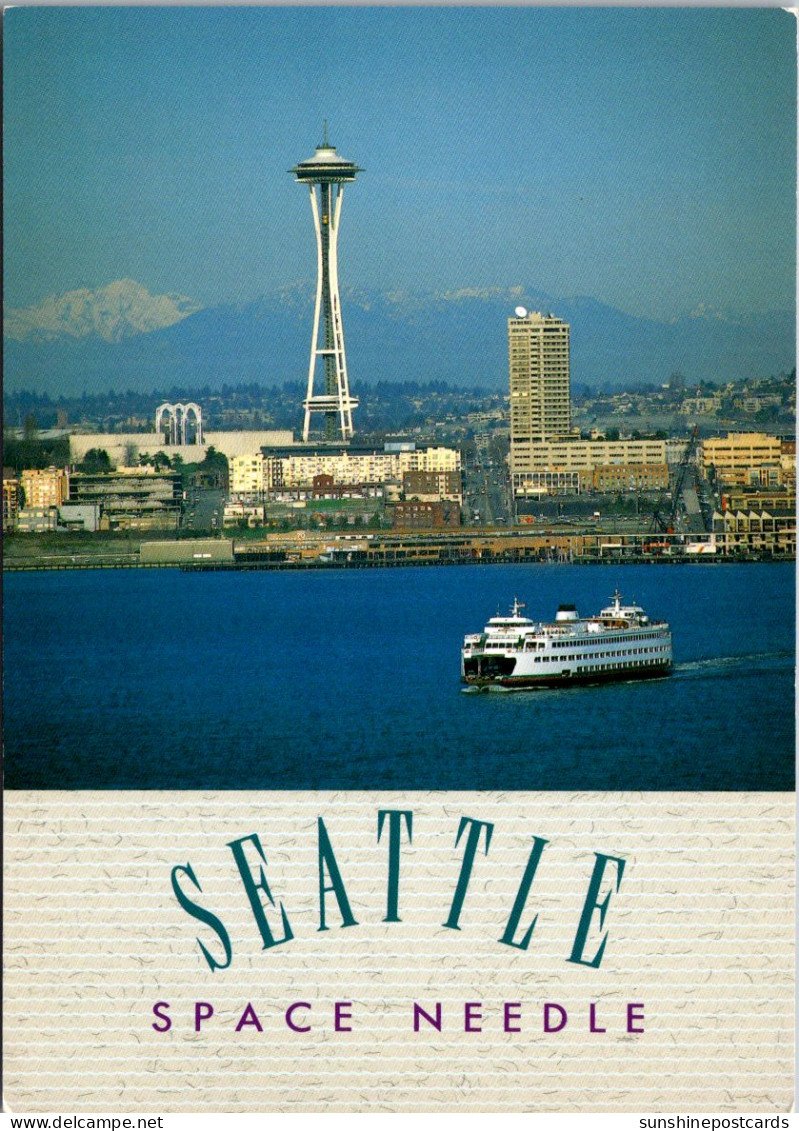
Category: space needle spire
<point>326,173</point>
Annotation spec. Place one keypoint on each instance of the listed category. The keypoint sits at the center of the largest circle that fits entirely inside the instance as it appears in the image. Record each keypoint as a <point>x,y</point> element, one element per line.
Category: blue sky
<point>645,157</point>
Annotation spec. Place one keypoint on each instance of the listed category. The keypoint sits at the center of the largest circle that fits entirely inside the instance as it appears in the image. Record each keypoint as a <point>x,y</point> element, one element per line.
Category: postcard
<point>404,724</point>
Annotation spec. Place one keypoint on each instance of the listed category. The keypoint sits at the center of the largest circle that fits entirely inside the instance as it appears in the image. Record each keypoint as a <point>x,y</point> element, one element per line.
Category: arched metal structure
<point>170,411</point>
<point>178,416</point>
<point>186,410</point>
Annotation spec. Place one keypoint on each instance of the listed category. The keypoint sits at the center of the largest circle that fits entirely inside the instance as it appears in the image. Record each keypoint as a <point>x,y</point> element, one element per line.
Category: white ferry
<point>620,643</point>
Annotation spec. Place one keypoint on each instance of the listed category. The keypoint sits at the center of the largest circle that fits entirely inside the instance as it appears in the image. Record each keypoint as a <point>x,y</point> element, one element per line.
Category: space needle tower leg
<point>326,174</point>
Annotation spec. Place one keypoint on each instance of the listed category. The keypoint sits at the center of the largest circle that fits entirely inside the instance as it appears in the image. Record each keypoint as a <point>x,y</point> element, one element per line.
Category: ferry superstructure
<point>619,643</point>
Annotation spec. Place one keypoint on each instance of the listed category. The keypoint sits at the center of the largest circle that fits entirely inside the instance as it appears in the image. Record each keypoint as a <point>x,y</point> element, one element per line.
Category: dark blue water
<point>158,679</point>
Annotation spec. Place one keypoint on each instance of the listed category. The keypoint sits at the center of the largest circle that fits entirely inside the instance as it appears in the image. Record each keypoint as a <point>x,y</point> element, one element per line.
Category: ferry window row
<point>598,655</point>
<point>614,667</point>
<point>607,640</point>
<point>600,667</point>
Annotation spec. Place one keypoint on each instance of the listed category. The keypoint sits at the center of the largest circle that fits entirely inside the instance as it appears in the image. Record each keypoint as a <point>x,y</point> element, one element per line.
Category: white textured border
<point>700,932</point>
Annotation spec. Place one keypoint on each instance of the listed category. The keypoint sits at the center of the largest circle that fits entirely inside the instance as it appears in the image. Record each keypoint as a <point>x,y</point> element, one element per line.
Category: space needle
<point>328,172</point>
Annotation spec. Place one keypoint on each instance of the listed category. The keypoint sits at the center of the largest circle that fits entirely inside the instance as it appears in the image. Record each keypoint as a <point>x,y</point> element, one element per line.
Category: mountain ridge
<point>118,310</point>
<point>141,341</point>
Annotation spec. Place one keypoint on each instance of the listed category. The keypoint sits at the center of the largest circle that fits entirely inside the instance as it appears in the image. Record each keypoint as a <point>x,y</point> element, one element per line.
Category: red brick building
<point>415,515</point>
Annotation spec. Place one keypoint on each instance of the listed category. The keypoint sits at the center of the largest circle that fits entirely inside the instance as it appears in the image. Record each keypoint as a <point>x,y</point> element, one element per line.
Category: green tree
<point>30,429</point>
<point>767,415</point>
<point>215,464</point>
<point>214,459</point>
<point>96,462</point>
<point>59,452</point>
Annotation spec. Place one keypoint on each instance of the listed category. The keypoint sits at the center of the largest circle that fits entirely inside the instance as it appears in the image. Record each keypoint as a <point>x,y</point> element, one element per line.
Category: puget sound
<point>350,680</point>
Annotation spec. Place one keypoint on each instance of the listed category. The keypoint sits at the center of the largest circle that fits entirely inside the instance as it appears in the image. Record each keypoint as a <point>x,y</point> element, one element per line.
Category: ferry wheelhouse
<point>619,643</point>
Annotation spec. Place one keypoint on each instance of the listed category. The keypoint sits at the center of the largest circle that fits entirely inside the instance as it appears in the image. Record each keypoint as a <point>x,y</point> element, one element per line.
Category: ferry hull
<point>531,683</point>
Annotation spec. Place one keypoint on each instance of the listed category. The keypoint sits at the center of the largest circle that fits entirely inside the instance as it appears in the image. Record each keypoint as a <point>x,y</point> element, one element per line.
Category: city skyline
<point>645,157</point>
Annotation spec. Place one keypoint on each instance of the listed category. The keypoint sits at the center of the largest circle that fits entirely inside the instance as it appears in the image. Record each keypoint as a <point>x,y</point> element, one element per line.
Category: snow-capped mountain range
<point>123,337</point>
<point>112,313</point>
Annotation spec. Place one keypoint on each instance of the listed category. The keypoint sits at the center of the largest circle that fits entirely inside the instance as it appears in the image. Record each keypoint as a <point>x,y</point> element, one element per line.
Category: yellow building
<point>575,461</point>
<point>246,475</point>
<point>605,478</point>
<point>782,499</point>
<point>48,487</point>
<point>10,499</point>
<point>744,458</point>
<point>430,459</point>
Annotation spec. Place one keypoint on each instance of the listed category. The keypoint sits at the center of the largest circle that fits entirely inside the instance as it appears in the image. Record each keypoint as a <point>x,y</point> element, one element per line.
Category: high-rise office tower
<point>540,398</point>
<point>326,174</point>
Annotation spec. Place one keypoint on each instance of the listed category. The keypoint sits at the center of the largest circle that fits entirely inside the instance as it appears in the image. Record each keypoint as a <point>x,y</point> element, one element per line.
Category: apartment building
<point>274,469</point>
<point>540,393</point>
<point>45,487</point>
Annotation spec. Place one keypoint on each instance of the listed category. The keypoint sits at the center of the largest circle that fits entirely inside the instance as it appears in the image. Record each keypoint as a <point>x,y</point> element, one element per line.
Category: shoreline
<point>389,563</point>
<point>315,550</point>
